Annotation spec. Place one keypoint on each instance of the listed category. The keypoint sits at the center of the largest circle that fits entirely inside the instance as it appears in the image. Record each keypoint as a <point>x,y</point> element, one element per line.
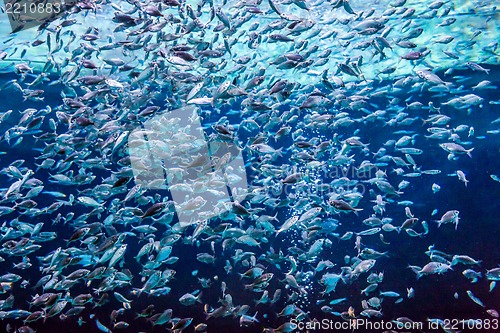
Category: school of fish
<point>78,234</point>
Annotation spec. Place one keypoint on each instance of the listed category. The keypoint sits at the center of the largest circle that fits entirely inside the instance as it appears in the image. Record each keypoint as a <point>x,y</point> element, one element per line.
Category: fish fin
<point>280,151</point>
<point>275,217</point>
<point>198,298</point>
<point>468,151</point>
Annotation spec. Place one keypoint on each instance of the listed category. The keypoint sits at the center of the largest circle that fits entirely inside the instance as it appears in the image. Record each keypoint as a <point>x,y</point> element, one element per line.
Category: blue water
<point>477,234</point>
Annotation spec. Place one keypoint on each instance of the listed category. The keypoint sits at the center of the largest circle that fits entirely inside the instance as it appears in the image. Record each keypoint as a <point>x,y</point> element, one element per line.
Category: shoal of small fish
<point>259,74</point>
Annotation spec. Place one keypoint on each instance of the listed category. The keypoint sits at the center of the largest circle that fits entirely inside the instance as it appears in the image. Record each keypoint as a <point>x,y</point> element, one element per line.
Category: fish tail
<point>280,151</point>
<point>198,299</point>
<point>275,217</point>
<point>139,291</point>
<point>468,151</point>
